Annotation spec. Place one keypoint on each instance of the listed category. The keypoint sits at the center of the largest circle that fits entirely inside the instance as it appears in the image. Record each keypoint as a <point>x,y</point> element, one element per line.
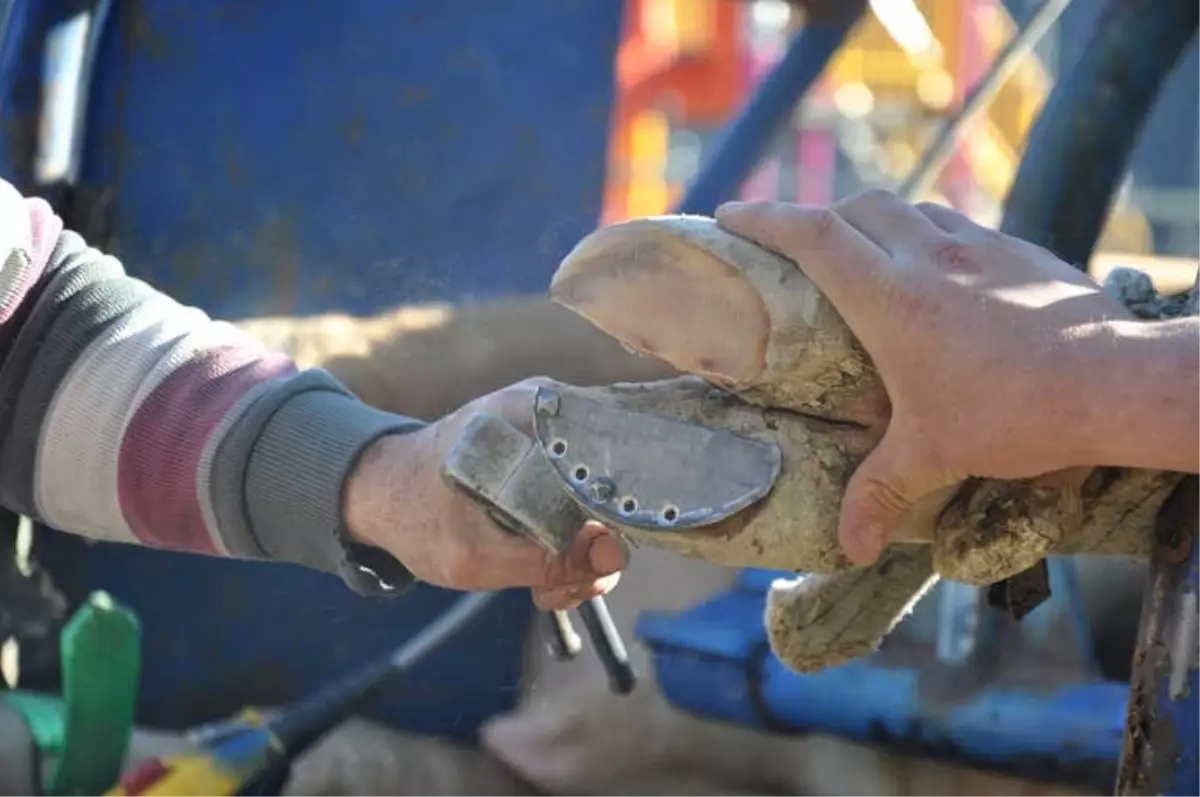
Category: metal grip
<point>509,475</point>
<point>506,472</point>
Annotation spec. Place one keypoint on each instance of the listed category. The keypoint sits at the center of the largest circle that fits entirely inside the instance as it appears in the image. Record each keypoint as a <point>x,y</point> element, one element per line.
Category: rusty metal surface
<point>1161,734</point>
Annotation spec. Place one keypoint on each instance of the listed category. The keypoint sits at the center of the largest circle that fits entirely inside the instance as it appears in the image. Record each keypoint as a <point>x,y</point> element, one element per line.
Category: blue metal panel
<point>1070,733</point>
<point>714,660</point>
<point>708,659</point>
<point>25,22</point>
<point>288,157</point>
<point>275,156</point>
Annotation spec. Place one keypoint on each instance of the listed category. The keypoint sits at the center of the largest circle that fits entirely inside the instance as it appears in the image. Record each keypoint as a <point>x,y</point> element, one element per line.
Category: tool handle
<point>565,643</point>
<point>609,646</point>
<point>508,474</point>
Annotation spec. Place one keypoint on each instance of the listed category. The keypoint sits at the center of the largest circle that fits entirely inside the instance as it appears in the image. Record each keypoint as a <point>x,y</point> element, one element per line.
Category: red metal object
<point>138,780</point>
<point>958,177</point>
<point>695,89</point>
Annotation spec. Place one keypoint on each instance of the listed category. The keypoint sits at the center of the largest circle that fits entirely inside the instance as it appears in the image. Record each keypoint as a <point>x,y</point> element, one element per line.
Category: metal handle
<point>510,476</point>
<point>609,646</point>
<point>565,643</point>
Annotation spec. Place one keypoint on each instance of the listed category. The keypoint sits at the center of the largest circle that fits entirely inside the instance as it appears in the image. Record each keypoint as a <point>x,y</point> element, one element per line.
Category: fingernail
<point>606,555</point>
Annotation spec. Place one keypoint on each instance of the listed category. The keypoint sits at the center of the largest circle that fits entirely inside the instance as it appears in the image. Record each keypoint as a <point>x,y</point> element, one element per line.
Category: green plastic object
<point>101,662</point>
<point>84,736</point>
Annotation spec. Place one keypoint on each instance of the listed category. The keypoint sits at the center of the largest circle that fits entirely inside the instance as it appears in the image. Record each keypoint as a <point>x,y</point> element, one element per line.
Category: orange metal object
<point>681,63</point>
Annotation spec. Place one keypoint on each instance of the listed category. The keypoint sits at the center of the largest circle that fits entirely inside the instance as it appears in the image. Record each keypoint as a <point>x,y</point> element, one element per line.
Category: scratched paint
<point>1185,648</point>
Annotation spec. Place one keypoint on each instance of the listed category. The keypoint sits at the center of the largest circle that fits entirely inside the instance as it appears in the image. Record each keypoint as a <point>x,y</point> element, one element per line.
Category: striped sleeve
<point>127,417</point>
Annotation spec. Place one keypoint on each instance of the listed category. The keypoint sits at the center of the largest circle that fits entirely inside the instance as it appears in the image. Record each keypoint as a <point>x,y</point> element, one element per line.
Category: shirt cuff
<point>294,484</point>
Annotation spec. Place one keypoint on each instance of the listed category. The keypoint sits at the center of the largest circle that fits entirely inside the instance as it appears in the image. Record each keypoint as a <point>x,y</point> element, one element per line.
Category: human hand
<point>397,500</point>
<point>985,344</point>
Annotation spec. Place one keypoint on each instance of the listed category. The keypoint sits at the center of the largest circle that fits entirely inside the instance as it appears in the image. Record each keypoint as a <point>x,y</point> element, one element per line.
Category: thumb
<point>882,489</point>
<point>594,554</point>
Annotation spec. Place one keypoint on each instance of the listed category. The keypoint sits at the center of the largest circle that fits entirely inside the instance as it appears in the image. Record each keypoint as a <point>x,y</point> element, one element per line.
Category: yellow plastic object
<point>232,754</point>
<point>913,54</point>
<point>185,776</point>
<point>649,193</point>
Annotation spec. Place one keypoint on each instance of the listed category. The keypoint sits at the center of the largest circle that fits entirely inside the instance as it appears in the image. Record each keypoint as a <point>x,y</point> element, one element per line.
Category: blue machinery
<point>273,156</point>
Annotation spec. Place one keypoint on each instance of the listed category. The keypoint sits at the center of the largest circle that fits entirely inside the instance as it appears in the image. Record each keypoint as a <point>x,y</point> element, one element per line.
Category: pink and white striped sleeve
<point>127,417</point>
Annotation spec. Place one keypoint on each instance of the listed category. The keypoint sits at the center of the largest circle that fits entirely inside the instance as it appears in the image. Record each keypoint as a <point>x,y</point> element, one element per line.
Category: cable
<point>299,726</point>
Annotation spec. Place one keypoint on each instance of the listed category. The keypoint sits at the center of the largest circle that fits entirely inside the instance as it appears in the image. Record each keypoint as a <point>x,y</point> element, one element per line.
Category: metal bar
<point>935,156</point>
<point>1159,755</point>
<point>767,111</point>
<point>1068,734</point>
<point>609,646</point>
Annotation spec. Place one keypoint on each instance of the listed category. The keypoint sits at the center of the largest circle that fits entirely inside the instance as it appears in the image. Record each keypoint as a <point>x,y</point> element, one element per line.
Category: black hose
<point>1081,144</point>
<point>298,726</point>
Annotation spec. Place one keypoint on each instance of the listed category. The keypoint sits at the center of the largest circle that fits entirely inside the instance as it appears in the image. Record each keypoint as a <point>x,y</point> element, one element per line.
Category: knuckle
<point>867,199</point>
<point>956,256</point>
<point>876,196</point>
<point>548,599</point>
<point>886,496</point>
<point>757,206</point>
<point>1036,251</point>
<point>823,224</point>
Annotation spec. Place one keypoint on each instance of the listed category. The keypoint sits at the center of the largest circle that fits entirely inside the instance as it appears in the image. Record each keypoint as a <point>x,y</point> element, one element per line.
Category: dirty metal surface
<point>281,157</point>
<point>1161,733</point>
<point>507,472</point>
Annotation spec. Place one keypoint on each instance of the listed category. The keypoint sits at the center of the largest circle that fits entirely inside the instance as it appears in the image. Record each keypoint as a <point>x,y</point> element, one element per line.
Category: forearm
<point>127,417</point>
<point>1142,386</point>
